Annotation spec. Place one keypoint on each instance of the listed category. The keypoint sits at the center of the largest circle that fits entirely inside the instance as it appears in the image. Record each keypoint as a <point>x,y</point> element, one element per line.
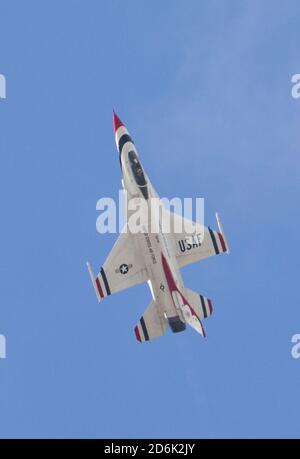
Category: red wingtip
<point>117,122</point>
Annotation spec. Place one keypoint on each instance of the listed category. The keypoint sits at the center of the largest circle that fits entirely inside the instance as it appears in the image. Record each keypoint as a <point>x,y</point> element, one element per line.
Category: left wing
<point>123,268</point>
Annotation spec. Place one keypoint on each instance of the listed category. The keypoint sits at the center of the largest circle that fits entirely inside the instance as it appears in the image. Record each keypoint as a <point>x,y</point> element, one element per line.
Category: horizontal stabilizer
<point>198,307</point>
<point>151,325</point>
<point>201,304</point>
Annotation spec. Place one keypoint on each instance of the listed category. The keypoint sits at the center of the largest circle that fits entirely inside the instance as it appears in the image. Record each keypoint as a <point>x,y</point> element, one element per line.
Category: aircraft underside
<point>156,256</point>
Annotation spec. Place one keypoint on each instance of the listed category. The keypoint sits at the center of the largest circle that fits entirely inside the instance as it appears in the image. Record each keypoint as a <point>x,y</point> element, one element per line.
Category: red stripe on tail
<point>210,306</point>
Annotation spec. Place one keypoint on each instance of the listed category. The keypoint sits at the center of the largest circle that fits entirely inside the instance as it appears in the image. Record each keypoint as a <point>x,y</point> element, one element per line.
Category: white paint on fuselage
<point>154,243</point>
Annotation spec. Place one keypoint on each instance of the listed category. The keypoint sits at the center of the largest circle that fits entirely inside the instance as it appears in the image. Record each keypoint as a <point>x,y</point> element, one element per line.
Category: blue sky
<point>204,88</point>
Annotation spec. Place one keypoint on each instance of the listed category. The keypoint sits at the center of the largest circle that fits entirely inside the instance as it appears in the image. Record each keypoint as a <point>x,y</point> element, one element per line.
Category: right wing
<point>204,243</point>
<point>123,268</point>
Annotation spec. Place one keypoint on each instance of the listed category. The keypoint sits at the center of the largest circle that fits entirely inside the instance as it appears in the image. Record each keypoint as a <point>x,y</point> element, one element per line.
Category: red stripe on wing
<point>99,287</point>
<point>137,333</point>
<point>222,242</point>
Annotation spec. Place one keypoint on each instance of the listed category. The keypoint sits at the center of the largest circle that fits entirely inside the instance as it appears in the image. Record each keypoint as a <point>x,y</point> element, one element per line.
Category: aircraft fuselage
<point>156,246</point>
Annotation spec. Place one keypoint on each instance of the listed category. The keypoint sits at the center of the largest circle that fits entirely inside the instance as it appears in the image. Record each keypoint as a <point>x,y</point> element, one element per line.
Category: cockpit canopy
<point>137,169</point>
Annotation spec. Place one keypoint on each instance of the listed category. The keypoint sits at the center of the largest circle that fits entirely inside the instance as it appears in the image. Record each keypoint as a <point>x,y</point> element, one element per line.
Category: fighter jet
<point>156,256</point>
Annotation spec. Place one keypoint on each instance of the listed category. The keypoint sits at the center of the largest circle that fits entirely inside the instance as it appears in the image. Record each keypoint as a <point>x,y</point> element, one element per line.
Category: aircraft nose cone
<point>117,122</point>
